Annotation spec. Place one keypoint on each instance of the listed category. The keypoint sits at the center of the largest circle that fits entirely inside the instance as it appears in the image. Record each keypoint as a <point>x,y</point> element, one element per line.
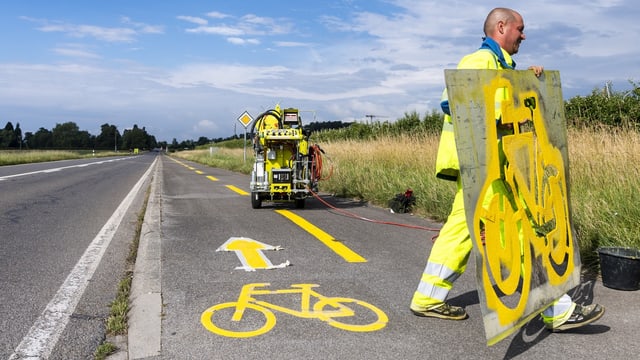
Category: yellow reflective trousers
<point>448,258</point>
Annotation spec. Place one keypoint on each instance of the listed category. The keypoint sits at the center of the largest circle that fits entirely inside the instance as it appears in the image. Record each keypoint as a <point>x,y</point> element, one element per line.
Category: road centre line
<point>338,247</point>
<point>213,178</point>
<point>46,330</point>
<point>238,190</point>
<point>333,244</point>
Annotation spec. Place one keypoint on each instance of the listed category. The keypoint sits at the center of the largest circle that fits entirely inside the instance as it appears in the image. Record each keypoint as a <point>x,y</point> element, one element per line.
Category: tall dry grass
<point>605,187</point>
<point>376,170</point>
<point>603,180</point>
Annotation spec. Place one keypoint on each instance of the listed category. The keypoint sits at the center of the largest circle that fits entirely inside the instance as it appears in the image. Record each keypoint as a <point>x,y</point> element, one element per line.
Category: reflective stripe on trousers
<point>448,258</point>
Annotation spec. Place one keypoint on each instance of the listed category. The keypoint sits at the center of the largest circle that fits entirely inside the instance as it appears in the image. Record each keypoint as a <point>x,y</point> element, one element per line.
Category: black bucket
<point>620,267</point>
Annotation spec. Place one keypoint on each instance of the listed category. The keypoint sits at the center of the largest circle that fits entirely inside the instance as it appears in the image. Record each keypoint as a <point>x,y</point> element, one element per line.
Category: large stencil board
<point>511,140</point>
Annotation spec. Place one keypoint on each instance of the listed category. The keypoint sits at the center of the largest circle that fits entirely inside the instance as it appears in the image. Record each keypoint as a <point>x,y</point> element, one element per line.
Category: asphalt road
<point>373,268</point>
<point>183,275</point>
<point>51,213</point>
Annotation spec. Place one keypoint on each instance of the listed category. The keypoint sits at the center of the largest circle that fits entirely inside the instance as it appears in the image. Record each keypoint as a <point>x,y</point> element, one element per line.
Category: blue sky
<point>185,69</point>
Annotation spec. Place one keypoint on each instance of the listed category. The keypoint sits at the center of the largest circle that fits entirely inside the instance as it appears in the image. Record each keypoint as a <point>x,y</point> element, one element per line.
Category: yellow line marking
<point>238,190</point>
<point>212,178</point>
<point>338,247</point>
<point>199,172</point>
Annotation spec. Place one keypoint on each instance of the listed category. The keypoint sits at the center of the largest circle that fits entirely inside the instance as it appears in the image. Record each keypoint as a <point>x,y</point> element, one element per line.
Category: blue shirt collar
<point>489,43</point>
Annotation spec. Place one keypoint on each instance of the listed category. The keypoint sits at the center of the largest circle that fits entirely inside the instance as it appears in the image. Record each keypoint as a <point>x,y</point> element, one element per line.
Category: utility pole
<point>371,117</point>
<point>115,138</point>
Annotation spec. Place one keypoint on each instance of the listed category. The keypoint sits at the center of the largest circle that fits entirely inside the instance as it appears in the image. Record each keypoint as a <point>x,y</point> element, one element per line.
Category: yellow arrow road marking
<point>338,247</point>
<point>250,253</point>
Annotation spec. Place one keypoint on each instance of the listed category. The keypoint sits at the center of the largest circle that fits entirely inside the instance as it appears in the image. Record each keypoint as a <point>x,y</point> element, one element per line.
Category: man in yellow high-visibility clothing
<point>504,31</point>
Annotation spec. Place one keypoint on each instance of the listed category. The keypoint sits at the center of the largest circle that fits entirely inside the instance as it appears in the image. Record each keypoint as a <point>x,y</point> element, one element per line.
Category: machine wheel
<point>300,203</point>
<point>256,202</point>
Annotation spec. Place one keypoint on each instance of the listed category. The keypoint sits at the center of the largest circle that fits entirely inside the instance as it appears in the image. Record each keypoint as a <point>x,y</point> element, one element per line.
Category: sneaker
<point>444,311</point>
<point>581,316</point>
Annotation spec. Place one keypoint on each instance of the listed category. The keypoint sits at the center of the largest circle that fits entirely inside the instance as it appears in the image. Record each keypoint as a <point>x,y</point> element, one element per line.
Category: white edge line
<point>46,171</point>
<point>46,330</point>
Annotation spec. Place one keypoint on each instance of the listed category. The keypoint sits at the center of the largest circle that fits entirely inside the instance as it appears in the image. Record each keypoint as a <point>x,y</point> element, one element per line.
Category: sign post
<point>245,119</point>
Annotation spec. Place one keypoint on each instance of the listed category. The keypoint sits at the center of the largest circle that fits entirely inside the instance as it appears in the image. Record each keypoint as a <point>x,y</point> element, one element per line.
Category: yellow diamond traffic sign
<point>245,119</point>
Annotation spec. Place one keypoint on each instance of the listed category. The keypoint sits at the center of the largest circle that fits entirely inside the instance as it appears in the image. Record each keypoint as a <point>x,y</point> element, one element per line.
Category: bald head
<point>506,27</point>
<point>496,16</point>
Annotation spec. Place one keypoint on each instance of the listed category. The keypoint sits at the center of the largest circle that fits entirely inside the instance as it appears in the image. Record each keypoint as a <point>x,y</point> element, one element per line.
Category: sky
<point>186,69</point>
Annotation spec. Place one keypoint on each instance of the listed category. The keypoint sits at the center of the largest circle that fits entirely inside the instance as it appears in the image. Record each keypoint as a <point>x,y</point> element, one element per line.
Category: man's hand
<point>537,69</point>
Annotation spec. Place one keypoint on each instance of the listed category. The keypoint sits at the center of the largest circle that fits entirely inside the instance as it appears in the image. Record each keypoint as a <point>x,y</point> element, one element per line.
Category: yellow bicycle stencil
<point>340,312</point>
<point>511,143</point>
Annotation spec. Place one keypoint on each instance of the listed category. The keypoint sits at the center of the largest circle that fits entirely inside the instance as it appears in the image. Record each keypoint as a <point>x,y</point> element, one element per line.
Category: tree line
<point>69,136</point>
<point>603,107</point>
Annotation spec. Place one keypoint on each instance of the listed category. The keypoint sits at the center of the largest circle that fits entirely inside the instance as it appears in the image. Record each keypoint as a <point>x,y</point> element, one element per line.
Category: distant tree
<point>108,138</point>
<point>325,125</point>
<point>18,135</point>
<point>69,136</point>
<point>151,140</point>
<point>174,144</point>
<point>432,123</point>
<point>11,137</point>
<point>605,107</point>
<point>42,139</point>
<point>26,141</point>
<point>202,140</point>
<point>409,123</point>
<point>137,138</point>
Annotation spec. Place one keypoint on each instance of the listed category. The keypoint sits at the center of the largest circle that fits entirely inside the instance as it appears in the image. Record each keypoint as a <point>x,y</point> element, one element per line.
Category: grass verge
<point>603,163</point>
<point>116,323</point>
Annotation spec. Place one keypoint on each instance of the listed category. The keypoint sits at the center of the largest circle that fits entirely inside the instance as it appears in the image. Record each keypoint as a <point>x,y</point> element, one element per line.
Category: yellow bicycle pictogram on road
<point>340,312</point>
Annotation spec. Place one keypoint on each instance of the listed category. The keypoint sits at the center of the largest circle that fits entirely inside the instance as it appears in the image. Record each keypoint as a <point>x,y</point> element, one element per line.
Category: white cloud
<point>76,52</point>
<point>291,44</point>
<point>217,30</point>
<point>385,60</point>
<point>109,34</point>
<point>221,76</point>
<point>205,127</point>
<point>193,19</point>
<point>142,27</point>
<point>217,15</point>
<point>241,41</point>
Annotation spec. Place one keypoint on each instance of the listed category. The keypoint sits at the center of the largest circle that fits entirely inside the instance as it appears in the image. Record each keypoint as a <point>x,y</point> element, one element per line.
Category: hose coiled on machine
<point>317,163</point>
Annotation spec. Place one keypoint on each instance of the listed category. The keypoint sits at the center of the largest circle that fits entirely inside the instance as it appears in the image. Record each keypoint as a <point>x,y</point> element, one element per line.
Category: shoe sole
<point>565,327</point>
<point>438,316</point>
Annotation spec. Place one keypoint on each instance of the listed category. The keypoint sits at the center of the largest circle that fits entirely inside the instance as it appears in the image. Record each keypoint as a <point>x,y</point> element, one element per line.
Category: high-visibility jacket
<point>447,166</point>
